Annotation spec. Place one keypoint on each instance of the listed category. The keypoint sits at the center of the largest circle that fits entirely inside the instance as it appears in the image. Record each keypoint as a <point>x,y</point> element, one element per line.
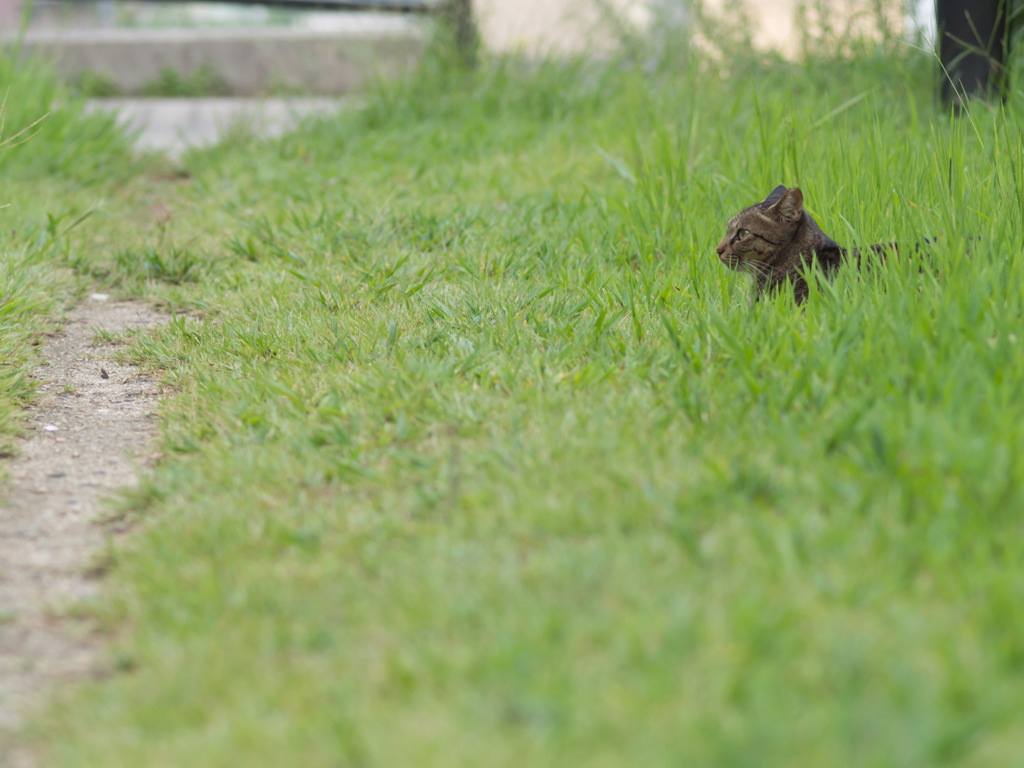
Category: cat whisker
<point>757,269</point>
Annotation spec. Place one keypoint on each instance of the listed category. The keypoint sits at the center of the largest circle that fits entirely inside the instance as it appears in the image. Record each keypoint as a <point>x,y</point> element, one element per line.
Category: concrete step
<point>173,125</point>
<point>250,61</point>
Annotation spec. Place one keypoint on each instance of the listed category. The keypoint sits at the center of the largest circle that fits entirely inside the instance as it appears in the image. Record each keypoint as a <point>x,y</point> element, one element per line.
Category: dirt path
<point>91,428</point>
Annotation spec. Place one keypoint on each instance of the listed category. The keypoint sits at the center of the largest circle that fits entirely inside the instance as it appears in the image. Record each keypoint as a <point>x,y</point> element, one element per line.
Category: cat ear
<point>790,206</point>
<point>773,198</point>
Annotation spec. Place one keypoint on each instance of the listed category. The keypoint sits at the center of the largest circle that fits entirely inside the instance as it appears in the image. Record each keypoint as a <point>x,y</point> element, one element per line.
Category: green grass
<point>202,82</point>
<point>57,164</point>
<point>477,456</point>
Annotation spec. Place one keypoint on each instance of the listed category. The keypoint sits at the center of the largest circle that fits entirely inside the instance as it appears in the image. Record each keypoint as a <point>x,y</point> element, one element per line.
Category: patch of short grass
<point>26,299</point>
<point>478,456</point>
<point>58,165</point>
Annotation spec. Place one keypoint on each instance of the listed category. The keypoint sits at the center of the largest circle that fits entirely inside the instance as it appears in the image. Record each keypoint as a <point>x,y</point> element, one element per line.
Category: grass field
<point>475,455</point>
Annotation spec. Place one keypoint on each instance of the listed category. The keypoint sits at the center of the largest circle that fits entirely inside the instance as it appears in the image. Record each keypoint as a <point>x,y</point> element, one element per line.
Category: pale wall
<point>552,26</point>
<point>563,26</point>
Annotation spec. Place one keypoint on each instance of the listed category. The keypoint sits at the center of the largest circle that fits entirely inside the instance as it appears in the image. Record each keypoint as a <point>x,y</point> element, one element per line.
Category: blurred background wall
<point>568,26</point>
<point>136,47</point>
<point>531,26</point>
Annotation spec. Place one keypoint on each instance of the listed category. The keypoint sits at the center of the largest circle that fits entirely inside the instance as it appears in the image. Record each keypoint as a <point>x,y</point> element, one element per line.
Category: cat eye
<point>741,233</point>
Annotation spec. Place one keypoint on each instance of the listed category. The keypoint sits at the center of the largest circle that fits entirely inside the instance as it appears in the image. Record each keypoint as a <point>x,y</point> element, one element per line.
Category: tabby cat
<point>776,239</point>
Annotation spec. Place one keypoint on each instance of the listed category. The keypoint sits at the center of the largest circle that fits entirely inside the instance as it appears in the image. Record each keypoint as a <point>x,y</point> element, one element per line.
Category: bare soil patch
<point>91,428</point>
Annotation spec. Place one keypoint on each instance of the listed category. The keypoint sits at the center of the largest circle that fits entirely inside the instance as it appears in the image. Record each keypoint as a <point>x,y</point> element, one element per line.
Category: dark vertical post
<point>972,46</point>
<point>457,15</point>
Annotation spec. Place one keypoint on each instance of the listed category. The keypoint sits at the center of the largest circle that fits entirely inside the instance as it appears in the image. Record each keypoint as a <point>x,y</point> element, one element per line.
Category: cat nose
<point>721,248</point>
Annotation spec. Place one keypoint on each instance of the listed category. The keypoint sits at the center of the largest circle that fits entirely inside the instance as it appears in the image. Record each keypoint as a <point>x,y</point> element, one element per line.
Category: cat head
<point>757,234</point>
